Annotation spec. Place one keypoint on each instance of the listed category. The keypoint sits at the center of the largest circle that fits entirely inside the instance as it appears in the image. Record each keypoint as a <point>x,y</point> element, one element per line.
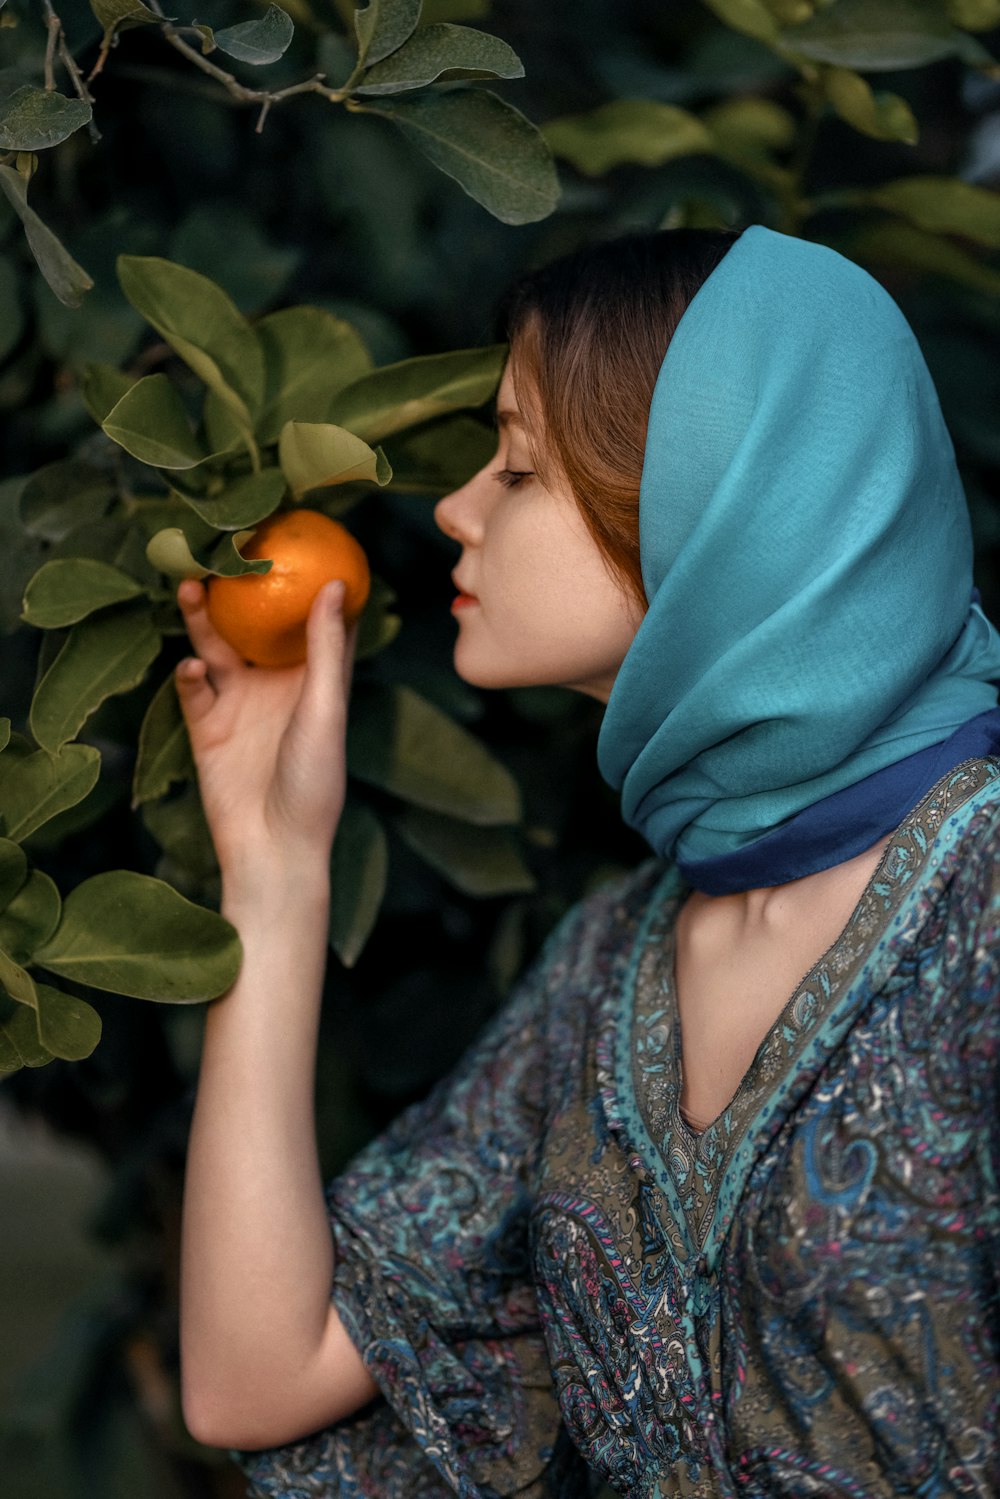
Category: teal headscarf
<point>806,555</point>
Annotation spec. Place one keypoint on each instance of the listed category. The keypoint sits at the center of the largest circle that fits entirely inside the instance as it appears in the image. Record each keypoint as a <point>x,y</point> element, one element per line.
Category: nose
<point>458,514</point>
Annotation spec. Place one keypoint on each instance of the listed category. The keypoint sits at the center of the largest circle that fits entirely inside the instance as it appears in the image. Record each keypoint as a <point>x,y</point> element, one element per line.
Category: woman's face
<point>537,604</point>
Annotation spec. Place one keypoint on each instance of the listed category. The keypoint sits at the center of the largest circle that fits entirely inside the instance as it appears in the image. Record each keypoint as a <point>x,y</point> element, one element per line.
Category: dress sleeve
<point>433,1283</point>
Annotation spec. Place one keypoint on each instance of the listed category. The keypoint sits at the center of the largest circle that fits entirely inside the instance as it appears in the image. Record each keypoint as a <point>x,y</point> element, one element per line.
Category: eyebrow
<point>507,417</point>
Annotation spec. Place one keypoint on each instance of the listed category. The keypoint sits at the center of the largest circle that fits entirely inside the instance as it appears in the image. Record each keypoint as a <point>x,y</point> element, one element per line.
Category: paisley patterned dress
<point>558,1285</point>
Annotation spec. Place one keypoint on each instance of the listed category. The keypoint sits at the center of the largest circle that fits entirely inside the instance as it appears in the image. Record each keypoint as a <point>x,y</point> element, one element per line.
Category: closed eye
<point>509,477</point>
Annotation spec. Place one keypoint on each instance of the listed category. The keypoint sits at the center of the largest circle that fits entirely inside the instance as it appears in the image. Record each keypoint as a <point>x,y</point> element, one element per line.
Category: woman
<point>762,1260</point>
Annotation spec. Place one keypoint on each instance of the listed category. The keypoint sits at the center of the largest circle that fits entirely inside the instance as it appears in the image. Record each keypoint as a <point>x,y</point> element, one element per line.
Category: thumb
<point>195,692</point>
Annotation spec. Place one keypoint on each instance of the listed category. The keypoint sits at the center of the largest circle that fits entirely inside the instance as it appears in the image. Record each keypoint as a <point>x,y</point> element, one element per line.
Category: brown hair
<point>587,335</point>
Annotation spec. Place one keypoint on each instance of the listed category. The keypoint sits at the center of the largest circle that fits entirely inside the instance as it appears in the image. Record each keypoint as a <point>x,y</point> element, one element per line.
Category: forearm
<point>257,1257</point>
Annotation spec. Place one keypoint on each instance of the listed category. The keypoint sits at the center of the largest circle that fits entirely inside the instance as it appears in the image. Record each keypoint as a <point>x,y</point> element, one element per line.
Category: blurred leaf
<point>33,788</point>
<point>68,589</point>
<point>151,422</point>
<point>310,356</point>
<point>32,119</point>
<point>974,15</point>
<point>416,390</point>
<point>883,116</point>
<point>384,25</point>
<point>164,754</point>
<point>203,325</point>
<point>626,130</point>
<point>101,657</point>
<point>942,205</point>
<point>260,41</point>
<point>438,49</point>
<point>751,17</point>
<point>222,240</point>
<point>243,502</point>
<point>68,1027</point>
<point>10,1057</point>
<point>403,744</point>
<point>102,387</point>
<point>64,495</point>
<point>11,307</point>
<point>750,126</point>
<point>477,861</point>
<point>895,246</point>
<point>440,457</point>
<point>314,454</point>
<point>453,10</point>
<point>485,144</point>
<point>118,15</point>
<point>67,280</point>
<point>359,867</point>
<point>13,870</point>
<point>882,35</point>
<point>31,917</point>
<point>4,733</point>
<point>179,827</point>
<point>170,553</point>
<point>132,934</point>
<point>378,626</point>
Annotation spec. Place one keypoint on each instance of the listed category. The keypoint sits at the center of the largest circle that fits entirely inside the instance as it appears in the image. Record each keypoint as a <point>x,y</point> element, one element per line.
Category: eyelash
<point>510,477</point>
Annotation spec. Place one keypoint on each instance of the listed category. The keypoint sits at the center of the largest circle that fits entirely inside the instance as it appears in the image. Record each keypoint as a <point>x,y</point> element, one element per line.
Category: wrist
<point>275,882</point>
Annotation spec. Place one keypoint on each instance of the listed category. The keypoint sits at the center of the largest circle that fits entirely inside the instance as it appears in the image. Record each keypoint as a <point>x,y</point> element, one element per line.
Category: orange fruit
<point>263,615</point>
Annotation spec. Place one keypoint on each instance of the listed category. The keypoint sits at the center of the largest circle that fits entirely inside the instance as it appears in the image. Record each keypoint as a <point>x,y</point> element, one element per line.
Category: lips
<point>463,599</point>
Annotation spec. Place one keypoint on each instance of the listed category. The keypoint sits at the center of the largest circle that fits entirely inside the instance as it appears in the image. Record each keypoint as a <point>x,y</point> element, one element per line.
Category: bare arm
<point>265,1358</point>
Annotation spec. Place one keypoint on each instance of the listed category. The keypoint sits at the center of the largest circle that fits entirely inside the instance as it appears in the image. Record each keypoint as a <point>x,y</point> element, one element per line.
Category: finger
<point>195,692</point>
<point>326,649</point>
<point>192,597</point>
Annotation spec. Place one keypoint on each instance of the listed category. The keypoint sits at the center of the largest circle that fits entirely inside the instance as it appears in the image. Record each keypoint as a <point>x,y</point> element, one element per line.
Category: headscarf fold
<point>807,560</point>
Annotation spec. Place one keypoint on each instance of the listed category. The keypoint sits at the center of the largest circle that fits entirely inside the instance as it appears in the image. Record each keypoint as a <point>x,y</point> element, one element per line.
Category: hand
<point>268,742</point>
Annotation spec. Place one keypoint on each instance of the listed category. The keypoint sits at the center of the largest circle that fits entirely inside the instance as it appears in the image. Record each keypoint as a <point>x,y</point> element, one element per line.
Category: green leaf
<point>384,25</point>
<point>377,627</point>
<point>17,981</point>
<point>11,307</point>
<point>21,1033</point>
<point>13,870</point>
<point>310,356</point>
<point>401,743</point>
<point>441,456</point>
<point>164,754</point>
<point>359,866</point>
<point>151,422</point>
<point>882,35</point>
<point>67,280</point>
<point>750,127</point>
<point>974,15</point>
<point>31,119</point>
<point>132,934</point>
<point>261,41</point>
<point>179,827</point>
<point>64,495</point>
<point>10,1058</point>
<point>244,502</point>
<point>102,387</point>
<point>4,733</point>
<point>454,10</point>
<point>203,325</point>
<point>315,454</point>
<point>31,917</point>
<point>883,116</point>
<point>417,390</point>
<point>68,1027</point>
<point>895,245</point>
<point>101,657</point>
<point>751,17</point>
<point>943,205</point>
<point>34,787</point>
<point>170,552</point>
<point>435,50</point>
<point>488,146</point>
<point>627,130</point>
<point>477,861</point>
<point>119,15</point>
<point>68,589</point>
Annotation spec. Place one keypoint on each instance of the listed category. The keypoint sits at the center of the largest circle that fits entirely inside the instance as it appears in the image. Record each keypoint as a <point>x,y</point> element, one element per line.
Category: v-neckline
<point>703,1173</point>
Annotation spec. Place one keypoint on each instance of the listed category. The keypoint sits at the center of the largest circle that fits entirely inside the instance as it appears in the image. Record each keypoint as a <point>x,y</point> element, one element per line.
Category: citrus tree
<point>234,283</point>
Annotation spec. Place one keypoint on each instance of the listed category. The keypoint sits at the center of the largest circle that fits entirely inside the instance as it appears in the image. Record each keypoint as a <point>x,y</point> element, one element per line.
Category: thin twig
<point>57,41</point>
<point>54,27</point>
